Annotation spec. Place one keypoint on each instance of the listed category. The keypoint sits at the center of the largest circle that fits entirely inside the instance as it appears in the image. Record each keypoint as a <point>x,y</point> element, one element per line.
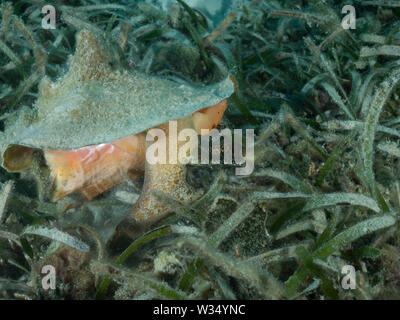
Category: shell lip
<point>63,132</point>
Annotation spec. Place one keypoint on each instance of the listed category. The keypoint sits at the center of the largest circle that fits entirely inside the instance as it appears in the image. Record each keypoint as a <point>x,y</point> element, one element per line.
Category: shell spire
<point>92,57</point>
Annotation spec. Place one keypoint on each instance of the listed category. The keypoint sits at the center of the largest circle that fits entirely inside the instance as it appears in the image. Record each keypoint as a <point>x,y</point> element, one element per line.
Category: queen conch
<point>91,124</point>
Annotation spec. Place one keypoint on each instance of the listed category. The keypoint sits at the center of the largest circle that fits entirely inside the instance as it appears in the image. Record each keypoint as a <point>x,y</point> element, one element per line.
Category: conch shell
<point>98,106</point>
<point>94,103</point>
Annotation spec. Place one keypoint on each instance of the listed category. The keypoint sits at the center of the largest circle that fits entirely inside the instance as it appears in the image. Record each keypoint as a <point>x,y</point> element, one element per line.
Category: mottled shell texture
<point>93,103</point>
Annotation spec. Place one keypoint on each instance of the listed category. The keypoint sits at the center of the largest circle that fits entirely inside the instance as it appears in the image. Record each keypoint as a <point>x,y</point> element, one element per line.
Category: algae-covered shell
<point>94,103</point>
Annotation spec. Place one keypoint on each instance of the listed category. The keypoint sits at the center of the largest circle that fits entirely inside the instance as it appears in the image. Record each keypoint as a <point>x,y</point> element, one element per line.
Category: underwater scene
<point>199,150</point>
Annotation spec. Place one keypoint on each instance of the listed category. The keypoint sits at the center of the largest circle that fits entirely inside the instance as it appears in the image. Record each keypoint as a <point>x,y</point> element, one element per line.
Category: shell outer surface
<point>93,103</point>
